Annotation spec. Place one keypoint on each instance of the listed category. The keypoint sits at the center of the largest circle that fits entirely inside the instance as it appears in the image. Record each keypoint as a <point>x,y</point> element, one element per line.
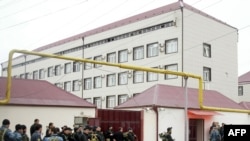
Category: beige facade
<point>60,116</point>
<point>187,41</point>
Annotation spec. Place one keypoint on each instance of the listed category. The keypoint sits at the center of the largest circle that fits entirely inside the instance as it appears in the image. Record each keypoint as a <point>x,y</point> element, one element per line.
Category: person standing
<point>32,127</point>
<point>167,136</point>
<point>36,136</point>
<point>131,136</point>
<point>118,136</point>
<point>54,135</point>
<point>18,132</point>
<point>5,133</point>
<point>109,135</point>
<point>215,134</point>
<point>24,135</point>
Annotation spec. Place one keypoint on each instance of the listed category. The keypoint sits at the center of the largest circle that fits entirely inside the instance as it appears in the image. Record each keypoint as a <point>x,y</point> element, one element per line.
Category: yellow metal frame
<point>124,66</point>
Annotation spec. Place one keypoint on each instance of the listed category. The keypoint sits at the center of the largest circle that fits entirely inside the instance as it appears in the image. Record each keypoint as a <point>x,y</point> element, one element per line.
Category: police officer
<point>5,133</point>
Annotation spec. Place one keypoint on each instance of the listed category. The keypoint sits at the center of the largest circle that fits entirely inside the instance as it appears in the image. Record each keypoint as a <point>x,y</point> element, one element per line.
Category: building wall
<point>60,116</point>
<point>246,92</point>
<point>223,61</point>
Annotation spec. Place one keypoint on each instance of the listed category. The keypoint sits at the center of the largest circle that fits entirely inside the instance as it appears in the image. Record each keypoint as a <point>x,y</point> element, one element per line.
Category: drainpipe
<point>155,108</point>
<point>182,40</point>
<point>1,69</point>
<point>82,65</point>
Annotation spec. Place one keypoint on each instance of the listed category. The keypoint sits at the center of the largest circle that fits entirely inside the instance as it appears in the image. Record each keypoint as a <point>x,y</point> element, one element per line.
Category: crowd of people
<point>65,133</point>
<point>216,132</point>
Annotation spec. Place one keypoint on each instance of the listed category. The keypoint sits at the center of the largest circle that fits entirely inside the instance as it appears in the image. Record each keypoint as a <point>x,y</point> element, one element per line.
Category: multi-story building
<point>176,37</point>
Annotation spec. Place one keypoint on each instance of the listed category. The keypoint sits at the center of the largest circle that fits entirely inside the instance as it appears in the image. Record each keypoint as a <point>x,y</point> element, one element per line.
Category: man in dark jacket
<point>36,136</point>
<point>32,127</point>
<point>118,136</point>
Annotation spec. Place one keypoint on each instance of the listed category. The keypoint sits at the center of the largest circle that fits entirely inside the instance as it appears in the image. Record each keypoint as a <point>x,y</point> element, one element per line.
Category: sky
<point>30,24</point>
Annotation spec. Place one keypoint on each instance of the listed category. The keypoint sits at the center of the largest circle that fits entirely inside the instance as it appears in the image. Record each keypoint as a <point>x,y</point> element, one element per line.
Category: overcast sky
<point>29,24</point>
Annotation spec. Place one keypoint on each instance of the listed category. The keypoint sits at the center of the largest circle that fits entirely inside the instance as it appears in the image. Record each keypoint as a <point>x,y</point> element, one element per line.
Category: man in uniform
<point>5,133</point>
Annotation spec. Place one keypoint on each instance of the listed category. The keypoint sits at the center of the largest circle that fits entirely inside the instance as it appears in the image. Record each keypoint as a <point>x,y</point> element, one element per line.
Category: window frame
<point>112,99</point>
<point>67,68</point>
<point>57,70</point>
<point>87,85</point>
<point>96,100</point>
<point>171,76</point>
<point>240,91</point>
<point>87,65</point>
<point>136,74</point>
<point>122,98</point>
<point>208,72</point>
<point>122,53</point>
<point>207,50</point>
<point>135,53</point>
<point>152,51</point>
<point>172,50</point>
<point>98,58</point>
<point>76,85</point>
<point>76,66</point>
<point>35,75</point>
<point>113,81</point>
<point>120,78</point>
<point>50,71</point>
<point>95,82</point>
<point>111,57</point>
<point>67,86</point>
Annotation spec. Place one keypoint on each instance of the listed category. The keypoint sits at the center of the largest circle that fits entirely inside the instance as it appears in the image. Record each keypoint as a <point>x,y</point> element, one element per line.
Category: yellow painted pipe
<point>125,66</point>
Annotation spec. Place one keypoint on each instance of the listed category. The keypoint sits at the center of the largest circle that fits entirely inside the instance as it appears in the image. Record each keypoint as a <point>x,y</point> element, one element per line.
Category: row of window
<point>109,100</point>
<point>103,41</point>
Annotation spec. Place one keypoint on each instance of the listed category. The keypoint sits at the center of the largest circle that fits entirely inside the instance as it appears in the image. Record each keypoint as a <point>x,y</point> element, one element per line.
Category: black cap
<point>169,128</point>
<point>67,128</point>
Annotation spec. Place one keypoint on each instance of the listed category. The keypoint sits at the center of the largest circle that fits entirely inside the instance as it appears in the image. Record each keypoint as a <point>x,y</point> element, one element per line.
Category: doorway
<point>196,130</point>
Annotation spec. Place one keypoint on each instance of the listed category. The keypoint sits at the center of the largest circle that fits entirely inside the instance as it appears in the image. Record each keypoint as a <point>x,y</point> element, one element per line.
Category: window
<point>59,85</point>
<point>50,71</point>
<point>76,85</point>
<point>240,90</point>
<point>98,102</point>
<point>110,80</point>
<point>111,57</point>
<point>152,50</point>
<point>151,76</point>
<point>41,73</point>
<point>138,77</point>
<point>87,83</point>
<point>123,56</point>
<point>87,66</point>
<point>76,66</point>
<point>97,58</point>
<point>172,67</point>
<point>110,101</point>
<point>97,82</point>
<point>138,53</point>
<point>67,68</point>
<point>35,75</point>
<point>171,46</point>
<point>122,98</point>
<point>206,50</point>
<point>123,78</point>
<point>206,74</point>
<point>57,70</point>
<point>67,86</point>
<point>22,76</point>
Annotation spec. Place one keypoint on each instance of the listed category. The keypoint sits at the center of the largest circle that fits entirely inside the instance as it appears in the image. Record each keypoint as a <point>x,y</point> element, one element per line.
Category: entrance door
<point>196,129</point>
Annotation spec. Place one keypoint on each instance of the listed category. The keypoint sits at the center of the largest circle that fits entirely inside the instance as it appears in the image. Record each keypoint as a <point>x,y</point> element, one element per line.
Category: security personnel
<point>5,133</point>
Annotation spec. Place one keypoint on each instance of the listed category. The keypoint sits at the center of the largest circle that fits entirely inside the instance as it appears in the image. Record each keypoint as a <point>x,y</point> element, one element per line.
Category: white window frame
<point>110,101</point>
<point>50,71</point>
<point>111,80</point>
<point>98,102</point>
<point>171,67</point>
<point>76,66</point>
<point>87,66</point>
<point>138,76</point>
<point>57,70</point>
<point>67,68</point>
<point>41,74</point>
<point>123,78</point>
<point>97,58</point>
<point>206,50</point>
<point>67,86</point>
<point>111,57</point>
<point>122,98</point>
<point>87,83</point>
<point>138,53</point>
<point>35,75</point>
<point>76,85</point>
<point>171,46</point>
<point>97,82</point>
<point>123,56</point>
<point>152,50</point>
<point>151,76</point>
<point>207,74</point>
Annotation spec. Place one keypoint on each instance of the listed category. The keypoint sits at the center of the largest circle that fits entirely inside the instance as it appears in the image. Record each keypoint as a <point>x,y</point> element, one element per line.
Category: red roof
<point>145,15</point>
<point>244,78</point>
<point>40,92</point>
<point>245,104</point>
<point>173,96</point>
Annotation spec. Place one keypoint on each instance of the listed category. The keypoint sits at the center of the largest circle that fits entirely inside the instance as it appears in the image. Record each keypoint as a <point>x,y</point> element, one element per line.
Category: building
<point>175,37</point>
<point>39,99</point>
<point>244,87</point>
<point>163,106</point>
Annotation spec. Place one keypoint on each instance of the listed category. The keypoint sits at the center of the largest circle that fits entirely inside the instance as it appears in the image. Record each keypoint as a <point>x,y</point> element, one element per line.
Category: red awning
<point>203,113</point>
